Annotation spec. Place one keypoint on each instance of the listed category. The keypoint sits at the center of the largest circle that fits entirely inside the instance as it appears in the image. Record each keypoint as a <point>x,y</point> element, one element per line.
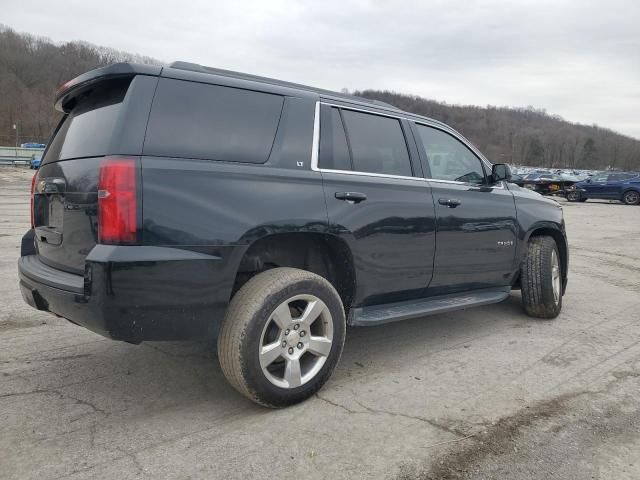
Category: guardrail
<point>18,156</point>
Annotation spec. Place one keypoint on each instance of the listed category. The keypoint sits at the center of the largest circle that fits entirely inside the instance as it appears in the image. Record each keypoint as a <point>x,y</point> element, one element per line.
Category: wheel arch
<point>321,253</point>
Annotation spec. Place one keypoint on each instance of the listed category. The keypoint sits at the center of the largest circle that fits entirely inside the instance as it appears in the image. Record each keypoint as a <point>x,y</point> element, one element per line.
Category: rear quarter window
<point>212,122</point>
<point>334,150</point>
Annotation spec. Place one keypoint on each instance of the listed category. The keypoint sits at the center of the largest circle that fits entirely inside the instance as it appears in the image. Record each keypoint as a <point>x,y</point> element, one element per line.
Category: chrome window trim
<point>315,152</point>
<point>355,109</point>
<point>316,146</point>
<point>315,142</point>
<point>370,174</point>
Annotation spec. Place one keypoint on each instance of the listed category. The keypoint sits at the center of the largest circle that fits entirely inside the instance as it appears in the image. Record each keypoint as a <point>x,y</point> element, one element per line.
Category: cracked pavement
<point>483,393</point>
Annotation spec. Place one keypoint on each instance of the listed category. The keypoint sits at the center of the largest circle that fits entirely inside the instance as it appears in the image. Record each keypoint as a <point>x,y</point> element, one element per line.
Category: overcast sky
<point>576,58</point>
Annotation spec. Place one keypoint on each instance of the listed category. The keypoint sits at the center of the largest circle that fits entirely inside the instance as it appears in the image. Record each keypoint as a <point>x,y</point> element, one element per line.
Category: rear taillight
<point>33,189</point>
<point>117,201</point>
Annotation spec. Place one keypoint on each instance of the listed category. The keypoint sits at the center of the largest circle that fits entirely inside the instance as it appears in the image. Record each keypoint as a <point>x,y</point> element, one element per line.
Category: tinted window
<point>86,131</point>
<point>377,144</point>
<point>334,152</point>
<point>197,120</point>
<point>450,159</point>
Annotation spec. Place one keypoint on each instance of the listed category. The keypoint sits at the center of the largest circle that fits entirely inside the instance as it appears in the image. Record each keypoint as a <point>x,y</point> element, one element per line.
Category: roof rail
<point>194,67</point>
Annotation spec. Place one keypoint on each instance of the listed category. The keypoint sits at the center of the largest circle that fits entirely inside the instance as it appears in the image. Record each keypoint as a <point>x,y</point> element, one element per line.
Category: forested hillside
<point>526,136</point>
<point>32,68</point>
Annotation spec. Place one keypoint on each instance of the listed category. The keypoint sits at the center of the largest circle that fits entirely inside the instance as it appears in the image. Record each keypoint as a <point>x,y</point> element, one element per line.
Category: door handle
<point>449,202</point>
<point>351,197</point>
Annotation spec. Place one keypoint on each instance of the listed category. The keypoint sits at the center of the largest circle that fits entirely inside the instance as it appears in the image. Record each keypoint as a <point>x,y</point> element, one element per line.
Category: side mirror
<point>588,180</point>
<point>499,172</point>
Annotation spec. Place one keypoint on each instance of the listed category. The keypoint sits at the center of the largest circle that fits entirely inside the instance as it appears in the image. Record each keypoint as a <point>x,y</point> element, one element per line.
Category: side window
<point>334,151</point>
<point>450,159</point>
<point>377,144</point>
<point>620,177</point>
<point>212,122</point>
<point>599,178</point>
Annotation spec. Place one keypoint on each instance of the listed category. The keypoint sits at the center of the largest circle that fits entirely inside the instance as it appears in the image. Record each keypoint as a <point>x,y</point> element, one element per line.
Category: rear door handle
<point>449,202</point>
<point>351,197</point>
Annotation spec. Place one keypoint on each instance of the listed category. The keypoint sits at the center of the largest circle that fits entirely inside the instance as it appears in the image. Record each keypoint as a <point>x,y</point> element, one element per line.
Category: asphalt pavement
<point>485,393</point>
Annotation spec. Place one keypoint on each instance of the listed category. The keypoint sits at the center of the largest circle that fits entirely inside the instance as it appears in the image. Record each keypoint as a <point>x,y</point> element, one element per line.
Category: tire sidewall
<point>537,284</point>
<point>257,382</point>
<point>547,284</point>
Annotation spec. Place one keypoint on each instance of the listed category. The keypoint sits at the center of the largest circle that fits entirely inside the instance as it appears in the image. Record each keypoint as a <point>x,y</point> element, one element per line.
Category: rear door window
<point>377,144</point>
<point>212,122</point>
<point>87,130</point>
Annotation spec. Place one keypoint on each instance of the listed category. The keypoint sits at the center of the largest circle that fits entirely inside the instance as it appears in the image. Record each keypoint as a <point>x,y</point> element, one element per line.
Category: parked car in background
<point>517,179</point>
<point>622,186</point>
<point>548,183</point>
<point>33,145</point>
<point>35,163</point>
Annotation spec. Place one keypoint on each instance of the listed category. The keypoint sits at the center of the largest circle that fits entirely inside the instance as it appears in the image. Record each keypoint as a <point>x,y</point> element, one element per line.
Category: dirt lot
<point>484,393</point>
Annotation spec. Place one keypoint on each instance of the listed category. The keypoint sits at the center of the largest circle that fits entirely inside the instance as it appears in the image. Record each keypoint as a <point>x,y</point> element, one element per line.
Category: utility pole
<point>15,127</point>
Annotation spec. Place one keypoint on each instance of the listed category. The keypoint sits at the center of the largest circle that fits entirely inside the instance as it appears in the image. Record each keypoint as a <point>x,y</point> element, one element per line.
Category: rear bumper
<point>135,293</point>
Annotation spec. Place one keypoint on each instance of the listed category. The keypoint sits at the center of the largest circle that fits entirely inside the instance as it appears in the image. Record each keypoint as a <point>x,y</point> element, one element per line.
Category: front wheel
<point>282,336</point>
<point>541,278</point>
<point>631,197</point>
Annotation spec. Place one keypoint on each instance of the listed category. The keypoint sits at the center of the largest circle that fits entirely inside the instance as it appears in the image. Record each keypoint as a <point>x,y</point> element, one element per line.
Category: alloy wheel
<point>631,198</point>
<point>296,341</point>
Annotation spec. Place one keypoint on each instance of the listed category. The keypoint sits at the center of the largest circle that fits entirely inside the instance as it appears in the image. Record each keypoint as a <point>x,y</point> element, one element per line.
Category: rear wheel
<point>631,197</point>
<point>573,196</point>
<point>542,278</point>
<point>282,336</point>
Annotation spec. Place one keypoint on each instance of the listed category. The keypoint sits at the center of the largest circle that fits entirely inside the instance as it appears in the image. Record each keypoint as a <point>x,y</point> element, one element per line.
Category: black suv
<point>190,202</point>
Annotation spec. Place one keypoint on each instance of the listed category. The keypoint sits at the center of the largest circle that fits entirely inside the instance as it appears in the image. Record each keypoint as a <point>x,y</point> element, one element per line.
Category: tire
<point>631,197</point>
<point>573,196</point>
<point>541,278</point>
<point>260,323</point>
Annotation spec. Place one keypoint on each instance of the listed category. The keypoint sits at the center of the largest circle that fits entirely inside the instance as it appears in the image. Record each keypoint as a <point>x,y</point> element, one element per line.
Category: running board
<point>393,312</point>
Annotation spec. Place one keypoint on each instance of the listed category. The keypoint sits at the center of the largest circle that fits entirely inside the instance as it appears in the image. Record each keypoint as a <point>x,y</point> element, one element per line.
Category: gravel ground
<point>484,393</point>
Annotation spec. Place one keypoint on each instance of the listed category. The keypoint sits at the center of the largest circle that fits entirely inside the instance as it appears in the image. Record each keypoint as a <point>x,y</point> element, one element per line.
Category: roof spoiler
<point>79,84</point>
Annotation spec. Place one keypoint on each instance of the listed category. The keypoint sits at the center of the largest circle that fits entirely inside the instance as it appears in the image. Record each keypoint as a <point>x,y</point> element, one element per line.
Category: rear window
<point>86,131</point>
<point>212,122</point>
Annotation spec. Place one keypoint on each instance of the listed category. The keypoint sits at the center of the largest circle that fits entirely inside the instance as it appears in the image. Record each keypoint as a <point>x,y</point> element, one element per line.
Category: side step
<point>393,312</point>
